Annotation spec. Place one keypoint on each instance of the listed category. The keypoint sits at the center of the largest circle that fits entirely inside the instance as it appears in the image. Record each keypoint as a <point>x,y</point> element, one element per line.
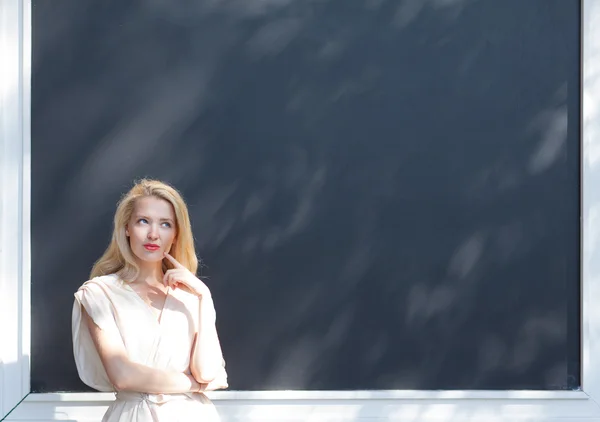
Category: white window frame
<point>405,406</point>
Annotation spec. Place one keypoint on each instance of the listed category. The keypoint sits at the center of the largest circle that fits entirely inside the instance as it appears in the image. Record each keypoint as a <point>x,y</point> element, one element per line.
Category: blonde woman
<point>144,324</point>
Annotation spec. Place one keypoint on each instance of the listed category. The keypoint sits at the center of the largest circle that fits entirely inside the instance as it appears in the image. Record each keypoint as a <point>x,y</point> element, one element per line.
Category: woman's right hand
<point>180,275</point>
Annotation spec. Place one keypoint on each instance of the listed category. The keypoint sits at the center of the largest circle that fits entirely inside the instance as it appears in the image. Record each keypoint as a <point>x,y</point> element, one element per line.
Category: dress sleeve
<point>94,297</point>
<point>220,382</point>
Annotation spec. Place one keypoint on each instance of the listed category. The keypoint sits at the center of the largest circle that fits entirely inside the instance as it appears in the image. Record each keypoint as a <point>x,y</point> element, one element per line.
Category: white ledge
<point>340,395</point>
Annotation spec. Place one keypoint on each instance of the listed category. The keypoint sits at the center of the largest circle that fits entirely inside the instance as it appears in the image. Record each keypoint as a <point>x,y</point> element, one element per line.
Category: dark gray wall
<point>384,192</point>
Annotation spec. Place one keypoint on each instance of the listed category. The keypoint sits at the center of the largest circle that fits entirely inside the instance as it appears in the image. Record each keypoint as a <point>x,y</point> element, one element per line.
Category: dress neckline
<point>158,319</point>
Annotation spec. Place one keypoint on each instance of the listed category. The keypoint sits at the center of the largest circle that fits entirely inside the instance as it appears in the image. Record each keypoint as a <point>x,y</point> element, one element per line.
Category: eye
<point>143,221</point>
<point>167,224</point>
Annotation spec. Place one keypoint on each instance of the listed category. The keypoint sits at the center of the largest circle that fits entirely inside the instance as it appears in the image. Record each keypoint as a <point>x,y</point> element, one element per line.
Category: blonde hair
<point>118,257</point>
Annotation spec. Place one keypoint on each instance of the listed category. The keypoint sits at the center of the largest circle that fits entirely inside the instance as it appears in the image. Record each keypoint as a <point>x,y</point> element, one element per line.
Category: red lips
<point>151,246</point>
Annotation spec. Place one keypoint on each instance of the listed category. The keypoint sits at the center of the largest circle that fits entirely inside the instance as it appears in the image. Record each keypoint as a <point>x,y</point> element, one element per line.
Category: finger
<point>173,273</point>
<point>172,279</point>
<point>173,261</point>
<point>179,277</point>
<point>166,276</point>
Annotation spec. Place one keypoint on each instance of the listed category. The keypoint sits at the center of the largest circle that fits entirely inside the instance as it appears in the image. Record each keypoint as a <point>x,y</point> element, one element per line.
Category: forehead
<point>151,206</point>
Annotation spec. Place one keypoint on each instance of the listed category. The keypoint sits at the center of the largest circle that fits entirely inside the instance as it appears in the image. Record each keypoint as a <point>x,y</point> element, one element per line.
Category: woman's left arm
<point>206,361</point>
<point>207,357</point>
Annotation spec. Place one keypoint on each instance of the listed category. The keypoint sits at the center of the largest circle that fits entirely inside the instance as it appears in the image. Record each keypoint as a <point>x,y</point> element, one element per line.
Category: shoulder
<point>99,285</point>
<point>96,298</point>
<point>103,280</point>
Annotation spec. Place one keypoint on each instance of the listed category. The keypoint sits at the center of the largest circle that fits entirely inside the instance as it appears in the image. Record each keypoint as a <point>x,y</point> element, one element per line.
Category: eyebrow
<point>148,218</point>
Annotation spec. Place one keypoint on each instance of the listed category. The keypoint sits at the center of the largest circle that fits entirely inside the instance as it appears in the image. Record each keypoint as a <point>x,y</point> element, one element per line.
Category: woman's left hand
<point>181,275</point>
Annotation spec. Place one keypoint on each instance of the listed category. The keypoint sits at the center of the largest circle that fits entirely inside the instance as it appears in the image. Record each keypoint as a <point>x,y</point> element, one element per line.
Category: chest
<point>154,297</point>
<point>157,326</point>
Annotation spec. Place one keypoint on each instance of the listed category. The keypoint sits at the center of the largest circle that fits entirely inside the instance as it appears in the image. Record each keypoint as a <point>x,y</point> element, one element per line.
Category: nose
<point>153,232</point>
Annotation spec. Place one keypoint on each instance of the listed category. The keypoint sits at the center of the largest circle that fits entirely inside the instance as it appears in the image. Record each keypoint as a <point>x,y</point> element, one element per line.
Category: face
<point>151,228</point>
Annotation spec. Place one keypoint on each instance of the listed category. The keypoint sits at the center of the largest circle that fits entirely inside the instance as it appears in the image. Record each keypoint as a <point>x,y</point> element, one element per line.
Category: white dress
<point>164,343</point>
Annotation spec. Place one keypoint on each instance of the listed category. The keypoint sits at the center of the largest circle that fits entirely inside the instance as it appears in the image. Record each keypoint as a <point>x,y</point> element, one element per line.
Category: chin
<point>149,257</point>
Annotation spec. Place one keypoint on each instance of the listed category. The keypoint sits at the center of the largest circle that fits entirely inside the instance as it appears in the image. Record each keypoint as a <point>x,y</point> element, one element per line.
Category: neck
<point>150,272</point>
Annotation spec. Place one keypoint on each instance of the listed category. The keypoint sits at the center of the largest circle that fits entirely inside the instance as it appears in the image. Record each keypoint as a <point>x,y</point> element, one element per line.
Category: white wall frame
<point>405,406</point>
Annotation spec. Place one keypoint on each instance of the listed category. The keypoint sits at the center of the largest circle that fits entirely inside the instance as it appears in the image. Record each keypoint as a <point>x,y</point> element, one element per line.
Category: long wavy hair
<point>118,257</point>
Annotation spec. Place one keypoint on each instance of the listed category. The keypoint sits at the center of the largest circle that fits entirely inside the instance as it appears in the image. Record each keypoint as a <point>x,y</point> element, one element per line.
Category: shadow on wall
<point>385,193</point>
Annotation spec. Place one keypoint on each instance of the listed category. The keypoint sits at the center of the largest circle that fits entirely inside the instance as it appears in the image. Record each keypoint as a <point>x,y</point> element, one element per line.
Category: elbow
<point>205,374</point>
<point>119,385</point>
<point>204,377</point>
<point>120,376</point>
<point>119,382</point>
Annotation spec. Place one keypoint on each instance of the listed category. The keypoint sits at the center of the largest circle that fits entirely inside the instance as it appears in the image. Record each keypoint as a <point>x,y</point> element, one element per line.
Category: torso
<point>164,343</point>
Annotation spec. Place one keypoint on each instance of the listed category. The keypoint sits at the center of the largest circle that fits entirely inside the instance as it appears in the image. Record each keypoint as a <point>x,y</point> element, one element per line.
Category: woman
<point>144,324</point>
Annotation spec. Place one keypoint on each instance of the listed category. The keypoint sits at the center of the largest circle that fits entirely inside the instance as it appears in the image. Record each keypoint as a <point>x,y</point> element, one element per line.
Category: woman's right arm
<point>130,376</point>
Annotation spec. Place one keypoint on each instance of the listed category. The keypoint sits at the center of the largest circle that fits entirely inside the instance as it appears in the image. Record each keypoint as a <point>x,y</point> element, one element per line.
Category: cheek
<point>171,238</point>
<point>136,236</point>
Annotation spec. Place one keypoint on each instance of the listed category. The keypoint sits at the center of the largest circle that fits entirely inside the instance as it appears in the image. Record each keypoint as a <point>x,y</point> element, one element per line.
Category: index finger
<point>173,261</point>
